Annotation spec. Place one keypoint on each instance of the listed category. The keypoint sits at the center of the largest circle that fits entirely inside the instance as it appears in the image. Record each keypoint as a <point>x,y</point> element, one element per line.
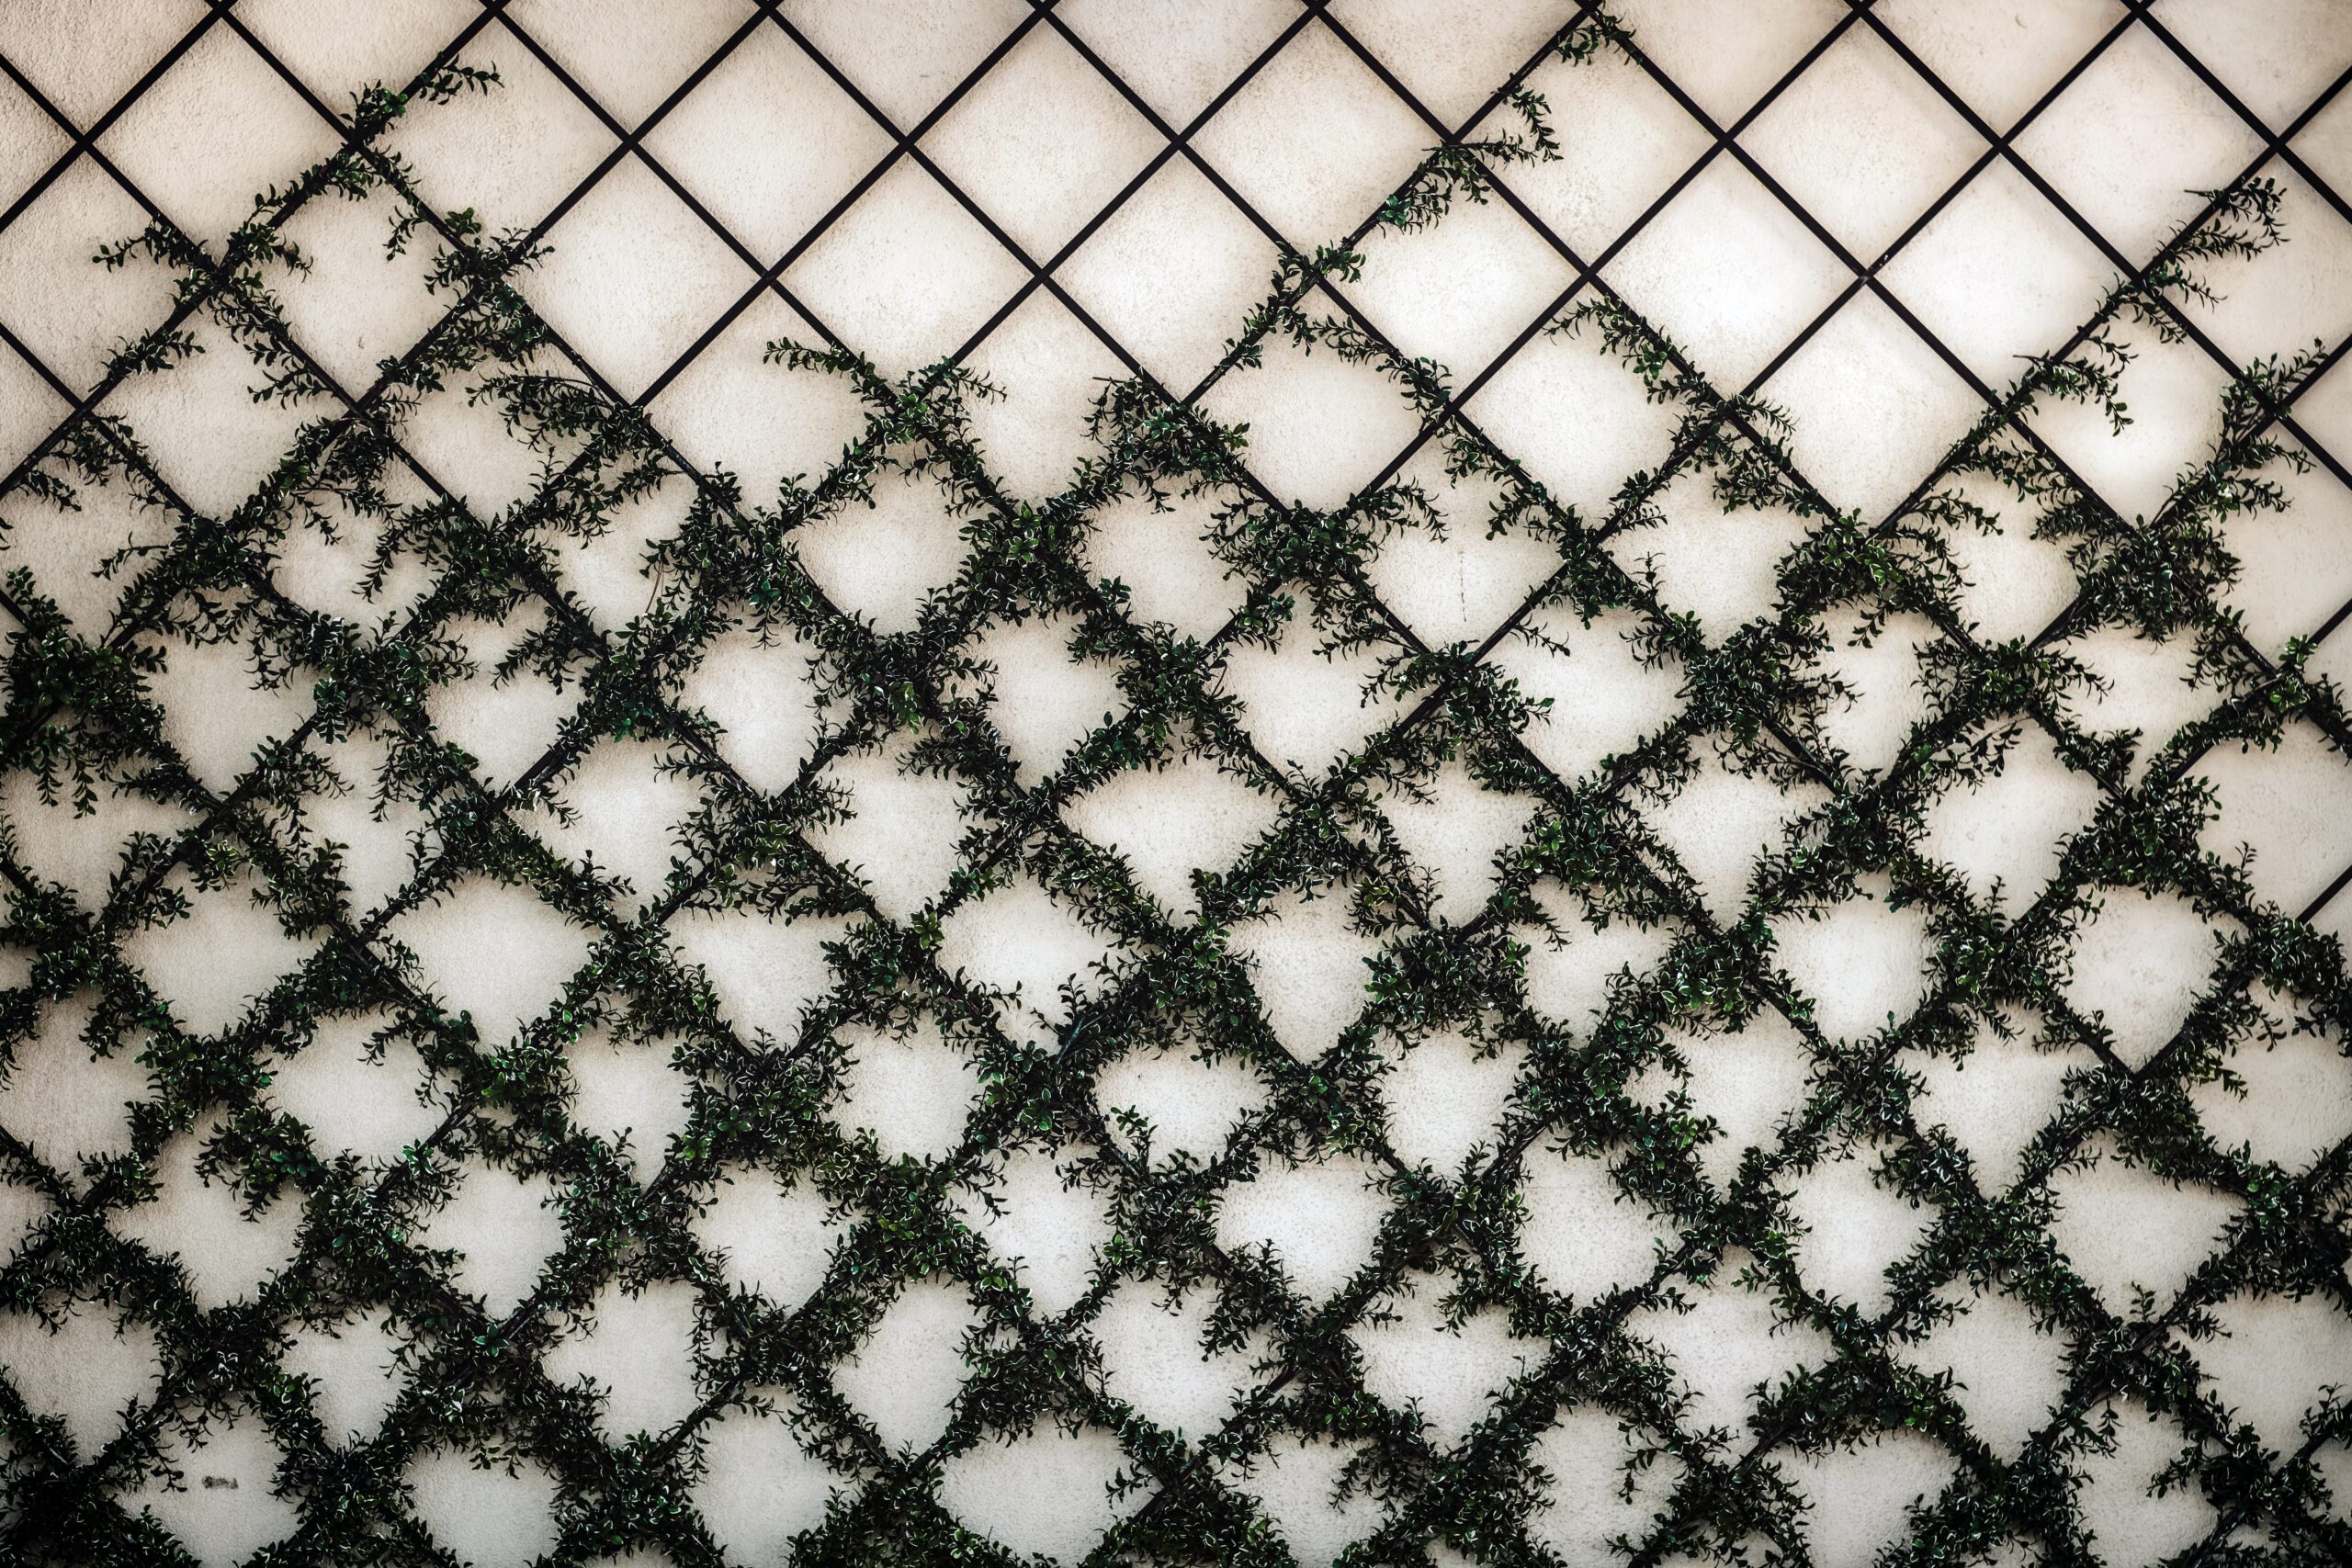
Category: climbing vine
<point>87,726</point>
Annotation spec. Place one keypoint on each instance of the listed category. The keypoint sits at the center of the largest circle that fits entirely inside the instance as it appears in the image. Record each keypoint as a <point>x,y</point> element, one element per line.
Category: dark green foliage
<point>85,723</point>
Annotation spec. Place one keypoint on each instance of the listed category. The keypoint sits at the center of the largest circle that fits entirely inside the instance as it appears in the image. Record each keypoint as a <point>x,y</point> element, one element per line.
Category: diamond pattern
<point>631,948</point>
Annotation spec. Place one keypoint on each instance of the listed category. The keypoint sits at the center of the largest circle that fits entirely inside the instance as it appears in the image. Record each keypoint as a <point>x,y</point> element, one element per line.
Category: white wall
<point>768,142</point>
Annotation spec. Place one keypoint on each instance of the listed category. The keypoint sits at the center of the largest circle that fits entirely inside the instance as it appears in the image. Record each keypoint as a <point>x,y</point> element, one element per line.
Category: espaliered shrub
<point>86,726</point>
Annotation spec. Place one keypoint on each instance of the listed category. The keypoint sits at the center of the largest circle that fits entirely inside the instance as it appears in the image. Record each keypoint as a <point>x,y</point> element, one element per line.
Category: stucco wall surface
<point>1386,781</point>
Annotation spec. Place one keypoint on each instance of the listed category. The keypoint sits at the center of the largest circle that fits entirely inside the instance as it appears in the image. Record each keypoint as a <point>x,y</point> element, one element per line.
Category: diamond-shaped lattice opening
<point>228,1506</point>
<point>352,1370</point>
<point>2009,1370</point>
<point>761,1487</point>
<point>903,1376</point>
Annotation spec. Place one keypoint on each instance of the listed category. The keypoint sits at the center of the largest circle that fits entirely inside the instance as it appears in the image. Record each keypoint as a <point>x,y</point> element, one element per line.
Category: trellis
<point>82,718</point>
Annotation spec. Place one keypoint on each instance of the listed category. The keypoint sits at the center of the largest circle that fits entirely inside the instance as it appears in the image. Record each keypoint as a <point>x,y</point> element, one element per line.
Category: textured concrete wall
<point>767,143</point>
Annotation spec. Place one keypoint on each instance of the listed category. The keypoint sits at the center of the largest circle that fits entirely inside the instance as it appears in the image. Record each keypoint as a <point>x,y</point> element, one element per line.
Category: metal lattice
<point>1147,958</point>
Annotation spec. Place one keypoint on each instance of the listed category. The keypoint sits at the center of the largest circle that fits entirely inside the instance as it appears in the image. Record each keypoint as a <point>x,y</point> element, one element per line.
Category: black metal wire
<point>1469,1499</point>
